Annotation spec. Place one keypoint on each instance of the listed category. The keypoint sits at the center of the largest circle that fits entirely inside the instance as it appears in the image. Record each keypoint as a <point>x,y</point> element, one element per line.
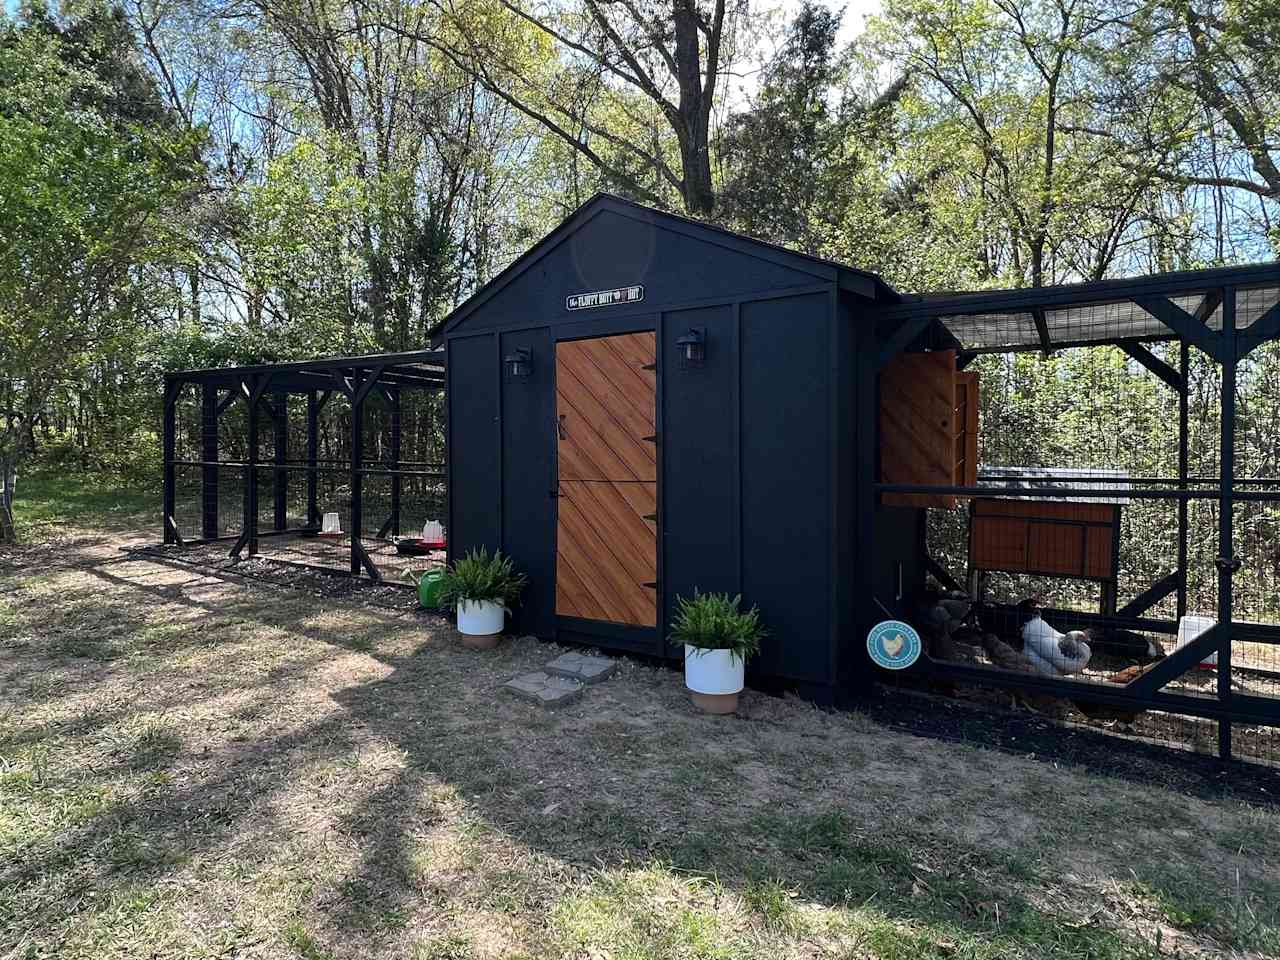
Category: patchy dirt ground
<point>196,764</point>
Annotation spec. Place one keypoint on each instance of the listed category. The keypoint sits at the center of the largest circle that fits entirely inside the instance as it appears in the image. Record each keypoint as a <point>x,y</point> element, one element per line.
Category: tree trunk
<point>8,485</point>
<point>692,129</point>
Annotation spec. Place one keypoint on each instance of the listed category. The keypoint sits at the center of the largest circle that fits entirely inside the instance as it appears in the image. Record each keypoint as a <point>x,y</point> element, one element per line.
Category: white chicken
<point>1054,654</point>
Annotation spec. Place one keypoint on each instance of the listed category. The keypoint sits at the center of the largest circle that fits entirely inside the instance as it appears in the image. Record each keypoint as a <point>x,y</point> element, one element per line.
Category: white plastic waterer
<point>330,525</point>
<point>1192,626</point>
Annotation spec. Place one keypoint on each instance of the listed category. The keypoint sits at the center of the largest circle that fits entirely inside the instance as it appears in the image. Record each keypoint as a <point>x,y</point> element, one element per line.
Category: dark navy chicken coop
<point>643,406</point>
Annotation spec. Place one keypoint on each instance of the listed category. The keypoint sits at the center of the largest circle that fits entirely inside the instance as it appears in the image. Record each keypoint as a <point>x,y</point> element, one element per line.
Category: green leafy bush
<point>713,621</point>
<point>478,576</point>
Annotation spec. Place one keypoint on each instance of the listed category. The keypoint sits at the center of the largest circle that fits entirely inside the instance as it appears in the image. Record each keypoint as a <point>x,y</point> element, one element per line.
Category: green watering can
<point>429,588</point>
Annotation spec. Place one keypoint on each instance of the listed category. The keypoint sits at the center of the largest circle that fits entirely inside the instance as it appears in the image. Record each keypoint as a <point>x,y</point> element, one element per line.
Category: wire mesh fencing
<point>1072,602</point>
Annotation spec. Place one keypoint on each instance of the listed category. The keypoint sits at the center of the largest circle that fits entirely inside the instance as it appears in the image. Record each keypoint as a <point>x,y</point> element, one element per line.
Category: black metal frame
<point>355,378</point>
<point>915,323</point>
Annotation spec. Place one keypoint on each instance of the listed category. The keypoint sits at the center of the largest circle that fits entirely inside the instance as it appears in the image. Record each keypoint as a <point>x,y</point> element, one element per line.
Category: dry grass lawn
<point>195,766</point>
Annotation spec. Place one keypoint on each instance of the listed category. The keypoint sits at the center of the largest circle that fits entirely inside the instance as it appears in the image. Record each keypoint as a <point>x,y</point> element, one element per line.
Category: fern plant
<point>479,577</point>
<point>714,621</point>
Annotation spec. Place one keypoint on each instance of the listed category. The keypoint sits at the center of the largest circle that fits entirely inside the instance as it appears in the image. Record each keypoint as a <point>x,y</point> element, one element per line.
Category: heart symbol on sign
<point>893,646</point>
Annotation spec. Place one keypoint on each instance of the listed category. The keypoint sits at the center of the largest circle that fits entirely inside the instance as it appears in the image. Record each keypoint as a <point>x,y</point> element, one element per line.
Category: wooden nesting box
<point>1045,537</point>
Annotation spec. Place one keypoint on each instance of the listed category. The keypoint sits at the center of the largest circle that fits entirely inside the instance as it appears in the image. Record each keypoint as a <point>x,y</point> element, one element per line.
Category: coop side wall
<point>886,557</point>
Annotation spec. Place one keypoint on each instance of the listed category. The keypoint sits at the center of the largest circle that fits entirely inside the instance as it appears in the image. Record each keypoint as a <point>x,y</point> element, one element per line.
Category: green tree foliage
<point>785,158</point>
<point>91,172</point>
<point>200,182</point>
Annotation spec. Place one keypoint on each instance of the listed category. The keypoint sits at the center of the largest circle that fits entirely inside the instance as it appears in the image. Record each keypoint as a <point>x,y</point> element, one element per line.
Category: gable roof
<point>861,282</point>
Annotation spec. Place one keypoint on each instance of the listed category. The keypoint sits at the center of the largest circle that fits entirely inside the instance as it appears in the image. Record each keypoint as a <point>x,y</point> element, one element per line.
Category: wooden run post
<point>209,456</point>
<point>359,391</point>
<point>168,521</point>
<point>357,472</point>
<point>281,478</point>
<point>253,388</point>
<point>1184,419</point>
<point>396,480</point>
<point>250,531</point>
<point>313,446</point>
<point>1227,563</point>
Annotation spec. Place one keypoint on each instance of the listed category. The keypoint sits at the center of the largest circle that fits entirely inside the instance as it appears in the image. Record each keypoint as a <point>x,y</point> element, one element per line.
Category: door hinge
<point>649,366</point>
<point>652,584</point>
<point>1231,566</point>
<point>560,427</point>
<point>650,516</point>
<point>652,439</point>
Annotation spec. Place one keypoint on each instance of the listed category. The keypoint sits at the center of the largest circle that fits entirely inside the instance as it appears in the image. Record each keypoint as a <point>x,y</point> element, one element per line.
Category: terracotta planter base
<point>715,702</point>
<point>486,641</point>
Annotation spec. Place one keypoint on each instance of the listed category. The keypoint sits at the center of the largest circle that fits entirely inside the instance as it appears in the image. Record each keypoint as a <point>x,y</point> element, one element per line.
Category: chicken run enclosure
<point>259,457</point>
<point>1111,558</point>
<point>1072,493</point>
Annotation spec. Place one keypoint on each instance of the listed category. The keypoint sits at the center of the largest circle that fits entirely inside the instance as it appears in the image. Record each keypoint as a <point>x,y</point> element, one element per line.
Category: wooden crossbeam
<point>357,548</point>
<point>173,528</point>
<point>239,545</point>
<point>1177,663</point>
<point>1190,328</point>
<point>901,338</point>
<point>1266,327</point>
<point>1042,329</point>
<point>1157,366</point>
<point>385,528</point>
<point>940,573</point>
<point>231,397</point>
<point>1150,597</point>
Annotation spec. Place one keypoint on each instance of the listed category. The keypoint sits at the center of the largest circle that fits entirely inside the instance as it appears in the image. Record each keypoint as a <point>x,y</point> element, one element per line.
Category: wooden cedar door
<point>928,427</point>
<point>607,533</point>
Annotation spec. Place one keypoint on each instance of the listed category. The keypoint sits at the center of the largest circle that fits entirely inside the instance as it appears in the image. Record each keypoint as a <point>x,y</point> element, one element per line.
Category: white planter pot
<point>480,618</point>
<point>714,677</point>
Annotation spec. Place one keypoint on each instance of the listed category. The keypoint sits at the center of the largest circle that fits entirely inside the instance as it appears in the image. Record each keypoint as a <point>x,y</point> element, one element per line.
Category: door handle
<point>560,427</point>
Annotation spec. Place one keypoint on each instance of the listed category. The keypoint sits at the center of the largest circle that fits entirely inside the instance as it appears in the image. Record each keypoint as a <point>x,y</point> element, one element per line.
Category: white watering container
<point>330,524</point>
<point>1190,627</point>
<point>433,530</point>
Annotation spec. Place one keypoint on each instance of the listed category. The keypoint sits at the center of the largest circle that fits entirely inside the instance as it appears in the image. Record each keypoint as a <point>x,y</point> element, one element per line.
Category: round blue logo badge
<point>893,645</point>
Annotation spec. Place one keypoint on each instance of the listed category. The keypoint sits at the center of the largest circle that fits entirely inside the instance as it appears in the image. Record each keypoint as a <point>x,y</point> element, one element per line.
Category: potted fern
<point>718,639</point>
<point>482,588</point>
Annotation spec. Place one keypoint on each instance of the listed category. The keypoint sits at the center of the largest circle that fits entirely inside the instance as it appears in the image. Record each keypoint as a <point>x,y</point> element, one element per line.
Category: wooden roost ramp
<point>606,534</point>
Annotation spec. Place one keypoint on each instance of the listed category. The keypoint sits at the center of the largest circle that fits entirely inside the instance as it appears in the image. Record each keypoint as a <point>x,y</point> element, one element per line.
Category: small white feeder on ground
<point>1192,626</point>
<point>330,526</point>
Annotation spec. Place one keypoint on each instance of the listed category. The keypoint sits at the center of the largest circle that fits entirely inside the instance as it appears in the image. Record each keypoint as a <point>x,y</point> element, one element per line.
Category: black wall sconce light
<point>692,348</point>
<point>519,363</point>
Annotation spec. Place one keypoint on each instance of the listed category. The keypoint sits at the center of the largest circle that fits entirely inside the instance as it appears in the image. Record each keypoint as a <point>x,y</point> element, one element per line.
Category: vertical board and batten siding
<point>528,477</point>
<point>786,443</point>
<point>702,533</point>
<point>474,492</point>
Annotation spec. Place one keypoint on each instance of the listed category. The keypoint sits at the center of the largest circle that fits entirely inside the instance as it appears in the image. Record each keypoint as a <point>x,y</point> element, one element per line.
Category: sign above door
<point>604,298</point>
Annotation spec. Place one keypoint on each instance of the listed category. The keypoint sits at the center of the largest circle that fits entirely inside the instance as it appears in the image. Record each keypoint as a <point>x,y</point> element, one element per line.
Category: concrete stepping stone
<point>544,688</point>
<point>585,667</point>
